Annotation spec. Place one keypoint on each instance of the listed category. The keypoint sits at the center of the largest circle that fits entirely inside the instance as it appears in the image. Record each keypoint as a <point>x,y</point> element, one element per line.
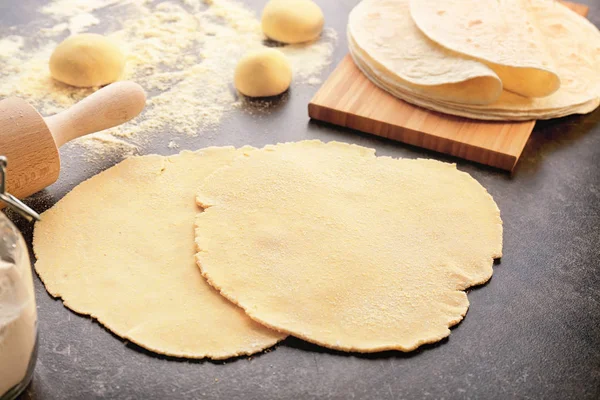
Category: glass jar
<point>18,317</point>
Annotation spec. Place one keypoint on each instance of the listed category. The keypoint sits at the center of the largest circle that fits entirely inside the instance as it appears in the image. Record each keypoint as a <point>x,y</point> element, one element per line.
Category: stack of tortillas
<point>326,242</point>
<point>483,59</point>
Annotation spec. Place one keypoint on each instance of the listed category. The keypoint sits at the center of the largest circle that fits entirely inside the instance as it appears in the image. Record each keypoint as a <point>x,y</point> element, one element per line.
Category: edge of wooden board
<point>417,138</point>
<point>348,79</point>
<point>579,8</point>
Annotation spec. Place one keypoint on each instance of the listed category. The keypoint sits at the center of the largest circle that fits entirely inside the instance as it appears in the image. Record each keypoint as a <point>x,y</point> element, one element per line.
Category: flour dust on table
<point>189,80</point>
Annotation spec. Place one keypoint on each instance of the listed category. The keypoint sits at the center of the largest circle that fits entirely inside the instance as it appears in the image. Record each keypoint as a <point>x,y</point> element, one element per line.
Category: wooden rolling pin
<point>31,142</point>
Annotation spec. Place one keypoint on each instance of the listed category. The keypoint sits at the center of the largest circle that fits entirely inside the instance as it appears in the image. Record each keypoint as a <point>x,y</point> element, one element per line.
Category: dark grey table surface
<point>532,332</point>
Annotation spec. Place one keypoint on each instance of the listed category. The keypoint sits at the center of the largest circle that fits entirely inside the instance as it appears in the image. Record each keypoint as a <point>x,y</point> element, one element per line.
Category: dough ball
<point>263,73</point>
<point>292,21</point>
<point>87,60</point>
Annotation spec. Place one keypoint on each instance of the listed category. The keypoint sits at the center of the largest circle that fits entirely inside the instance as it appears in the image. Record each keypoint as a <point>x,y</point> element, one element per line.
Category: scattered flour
<point>10,45</point>
<point>72,8</point>
<point>102,144</point>
<point>81,22</point>
<point>183,53</point>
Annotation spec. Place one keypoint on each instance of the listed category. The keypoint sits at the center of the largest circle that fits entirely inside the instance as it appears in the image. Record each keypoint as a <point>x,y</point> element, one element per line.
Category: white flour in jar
<point>17,322</point>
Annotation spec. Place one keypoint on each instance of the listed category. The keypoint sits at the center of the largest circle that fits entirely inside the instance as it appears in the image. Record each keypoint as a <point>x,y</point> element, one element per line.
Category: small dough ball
<point>292,21</point>
<point>263,73</point>
<point>87,60</point>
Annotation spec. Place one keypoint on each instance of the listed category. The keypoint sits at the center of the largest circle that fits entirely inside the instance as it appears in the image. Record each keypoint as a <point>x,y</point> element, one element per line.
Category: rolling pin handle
<point>110,106</point>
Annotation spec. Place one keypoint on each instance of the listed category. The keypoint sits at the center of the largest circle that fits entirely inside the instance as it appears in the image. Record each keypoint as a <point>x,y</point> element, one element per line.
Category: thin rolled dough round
<point>120,248</point>
<point>344,249</point>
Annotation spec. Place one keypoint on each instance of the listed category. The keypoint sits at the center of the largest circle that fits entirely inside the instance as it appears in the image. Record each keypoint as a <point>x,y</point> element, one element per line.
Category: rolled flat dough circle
<point>120,248</point>
<point>344,249</point>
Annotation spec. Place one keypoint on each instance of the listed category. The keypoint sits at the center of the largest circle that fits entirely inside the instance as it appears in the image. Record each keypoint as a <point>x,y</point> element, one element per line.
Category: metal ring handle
<point>11,201</point>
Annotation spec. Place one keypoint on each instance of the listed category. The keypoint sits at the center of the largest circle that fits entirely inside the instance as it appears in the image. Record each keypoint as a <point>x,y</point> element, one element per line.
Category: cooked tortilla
<point>385,30</point>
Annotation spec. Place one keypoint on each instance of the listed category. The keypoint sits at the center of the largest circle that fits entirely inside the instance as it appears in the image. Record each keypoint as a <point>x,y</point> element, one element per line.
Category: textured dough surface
<point>500,33</point>
<point>385,31</point>
<point>344,249</point>
<point>87,60</point>
<point>120,248</point>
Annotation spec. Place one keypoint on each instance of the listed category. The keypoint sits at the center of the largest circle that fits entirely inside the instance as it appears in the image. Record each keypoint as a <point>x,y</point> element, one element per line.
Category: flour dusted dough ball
<point>263,73</point>
<point>292,21</point>
<point>87,60</point>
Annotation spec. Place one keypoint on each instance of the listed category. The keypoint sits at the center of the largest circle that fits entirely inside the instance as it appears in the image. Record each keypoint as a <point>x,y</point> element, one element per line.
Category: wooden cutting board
<point>349,99</point>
